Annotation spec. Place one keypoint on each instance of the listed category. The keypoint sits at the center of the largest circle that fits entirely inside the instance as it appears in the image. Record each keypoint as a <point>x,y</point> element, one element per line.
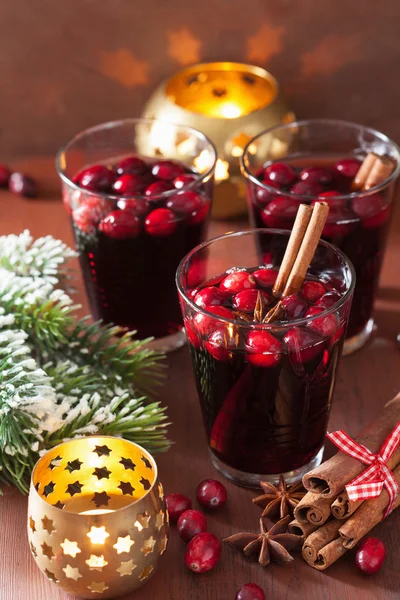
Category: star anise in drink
<point>272,543</point>
<point>279,500</point>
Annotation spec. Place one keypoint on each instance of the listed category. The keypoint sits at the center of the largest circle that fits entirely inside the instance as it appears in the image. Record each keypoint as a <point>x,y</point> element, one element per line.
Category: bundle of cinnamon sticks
<point>330,522</point>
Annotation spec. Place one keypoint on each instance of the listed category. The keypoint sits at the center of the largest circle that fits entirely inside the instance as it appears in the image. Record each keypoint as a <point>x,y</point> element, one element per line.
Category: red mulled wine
<point>131,230</point>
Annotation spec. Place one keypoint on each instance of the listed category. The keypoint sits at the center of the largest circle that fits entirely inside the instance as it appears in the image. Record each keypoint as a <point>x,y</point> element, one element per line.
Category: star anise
<point>272,543</point>
<point>280,499</point>
<point>259,310</point>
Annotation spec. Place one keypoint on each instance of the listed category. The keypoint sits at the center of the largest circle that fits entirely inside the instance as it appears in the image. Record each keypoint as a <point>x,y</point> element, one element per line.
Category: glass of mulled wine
<point>137,204</point>
<point>307,161</point>
<point>265,389</point>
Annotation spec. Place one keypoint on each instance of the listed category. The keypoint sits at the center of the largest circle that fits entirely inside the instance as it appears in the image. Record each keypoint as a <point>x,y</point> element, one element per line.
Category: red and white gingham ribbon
<point>372,481</point>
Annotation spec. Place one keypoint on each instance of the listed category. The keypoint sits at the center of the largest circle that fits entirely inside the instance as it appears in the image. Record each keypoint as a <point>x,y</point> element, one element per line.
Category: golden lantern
<point>97,522</point>
<point>230,103</point>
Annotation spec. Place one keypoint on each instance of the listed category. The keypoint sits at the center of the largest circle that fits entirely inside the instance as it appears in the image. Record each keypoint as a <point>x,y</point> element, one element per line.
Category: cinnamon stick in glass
<point>373,171</point>
<point>363,172</point>
<point>313,508</point>
<point>330,478</point>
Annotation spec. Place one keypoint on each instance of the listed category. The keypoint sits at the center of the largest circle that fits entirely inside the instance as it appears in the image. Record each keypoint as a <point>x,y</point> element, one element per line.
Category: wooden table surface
<point>366,381</point>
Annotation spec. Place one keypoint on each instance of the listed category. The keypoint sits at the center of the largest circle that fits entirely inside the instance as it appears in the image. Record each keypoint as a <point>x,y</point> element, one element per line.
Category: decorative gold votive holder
<point>230,103</point>
<point>97,522</point>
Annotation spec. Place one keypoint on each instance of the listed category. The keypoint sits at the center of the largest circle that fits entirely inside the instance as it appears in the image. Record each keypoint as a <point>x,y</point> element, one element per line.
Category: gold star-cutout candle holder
<point>97,522</point>
<point>230,103</point>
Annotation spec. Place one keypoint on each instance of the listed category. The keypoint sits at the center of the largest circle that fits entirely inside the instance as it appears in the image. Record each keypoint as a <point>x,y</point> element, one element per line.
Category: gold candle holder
<point>230,103</point>
<point>97,522</point>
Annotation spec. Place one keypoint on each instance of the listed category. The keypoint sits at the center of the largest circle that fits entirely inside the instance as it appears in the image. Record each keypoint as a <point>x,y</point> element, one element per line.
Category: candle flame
<point>230,110</point>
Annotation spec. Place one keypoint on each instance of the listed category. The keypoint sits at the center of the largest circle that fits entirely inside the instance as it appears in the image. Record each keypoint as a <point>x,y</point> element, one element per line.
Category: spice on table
<point>280,499</point>
<point>273,542</point>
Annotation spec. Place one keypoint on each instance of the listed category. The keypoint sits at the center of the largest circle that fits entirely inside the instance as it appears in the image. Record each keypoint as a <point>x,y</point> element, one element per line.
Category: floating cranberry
<point>237,281</point>
<point>250,591</point>
<point>183,180</point>
<point>97,178</point>
<point>177,504</point>
<point>211,494</point>
<point>85,218</point>
<point>167,170</point>
<point>191,335</point>
<point>302,345</point>
<point>191,523</point>
<point>196,273</point>
<point>209,296</point>
<point>340,220</point>
<point>264,350</point>
<point>22,185</point>
<point>203,552</point>
<point>128,185</point>
<point>265,277</point>
<point>246,300</point>
<point>217,344</point>
<point>328,300</point>
<point>280,173</point>
<point>199,215</point>
<point>185,203</point>
<point>312,290</point>
<point>348,167</point>
<point>139,206</point>
<point>319,175</point>
<point>306,188</point>
<point>373,210</point>
<point>161,222</point>
<point>4,175</point>
<point>280,212</point>
<point>132,165</point>
<point>157,188</point>
<point>324,326</point>
<point>205,325</point>
<point>295,307</point>
<point>120,225</point>
<point>370,555</point>
<point>263,196</point>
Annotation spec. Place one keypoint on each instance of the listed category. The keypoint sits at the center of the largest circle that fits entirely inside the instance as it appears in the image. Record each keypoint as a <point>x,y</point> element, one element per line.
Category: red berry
<point>324,326</point>
<point>265,277</point>
<point>161,222</point>
<point>319,175</point>
<point>200,214</point>
<point>348,167</point>
<point>306,188</point>
<point>246,300</point>
<point>263,196</point>
<point>328,300</point>
<point>203,552</point>
<point>185,203</point>
<point>237,281</point>
<point>157,188</point>
<point>183,180</point>
<point>373,210</point>
<point>370,555</point>
<point>196,273</point>
<point>177,504</point>
<point>211,494</point>
<point>250,591</point>
<point>21,184</point>
<point>209,296</point>
<point>280,212</point>
<point>4,175</point>
<point>191,335</point>
<point>302,345</point>
<point>340,220</point>
<point>139,206</point>
<point>294,306</point>
<point>167,170</point>
<point>191,523</point>
<point>120,225</point>
<point>280,173</point>
<point>132,165</point>
<point>97,178</point>
<point>129,185</point>
<point>264,350</point>
<point>218,343</point>
<point>205,325</point>
<point>312,290</point>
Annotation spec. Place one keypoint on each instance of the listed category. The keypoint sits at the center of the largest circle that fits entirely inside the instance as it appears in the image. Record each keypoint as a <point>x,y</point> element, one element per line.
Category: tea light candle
<point>97,521</point>
<point>228,102</point>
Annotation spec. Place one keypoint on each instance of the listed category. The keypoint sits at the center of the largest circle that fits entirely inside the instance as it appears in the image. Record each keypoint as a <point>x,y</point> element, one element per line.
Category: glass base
<point>169,343</point>
<point>357,341</point>
<point>252,480</point>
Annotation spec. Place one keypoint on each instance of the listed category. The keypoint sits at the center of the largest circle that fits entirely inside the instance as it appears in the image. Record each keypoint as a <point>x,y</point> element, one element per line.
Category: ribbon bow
<point>372,481</point>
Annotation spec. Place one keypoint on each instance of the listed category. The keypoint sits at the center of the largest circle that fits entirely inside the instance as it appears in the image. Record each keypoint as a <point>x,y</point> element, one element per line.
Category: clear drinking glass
<point>265,411</point>
<point>358,221</point>
<point>133,220</point>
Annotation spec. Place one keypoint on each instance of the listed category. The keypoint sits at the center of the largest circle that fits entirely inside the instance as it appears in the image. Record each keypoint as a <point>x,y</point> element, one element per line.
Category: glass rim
<point>275,324</point>
<point>333,122</point>
<point>199,177</point>
<point>99,437</point>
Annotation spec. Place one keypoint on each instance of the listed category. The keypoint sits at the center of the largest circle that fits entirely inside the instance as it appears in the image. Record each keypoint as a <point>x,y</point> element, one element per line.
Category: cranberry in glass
<point>312,291</point>
<point>348,167</point>
<point>185,203</point>
<point>211,494</point>
<point>320,175</point>
<point>132,165</point>
<point>183,180</point>
<point>211,296</point>
<point>250,591</point>
<point>128,185</point>
<point>120,225</point>
<point>167,170</point>
<point>97,178</point>
<point>246,300</point>
<point>139,206</point>
<point>161,222</point>
<point>370,555</point>
<point>4,175</point>
<point>237,281</point>
<point>324,326</point>
<point>294,306</point>
<point>307,188</point>
<point>280,211</point>
<point>217,344</point>
<point>371,210</point>
<point>328,299</point>
<point>264,350</point>
<point>302,345</point>
<point>157,187</point>
<point>23,185</point>
<point>263,196</point>
<point>203,552</point>
<point>177,504</point>
<point>265,277</point>
<point>191,335</point>
<point>205,325</point>
<point>191,523</point>
<point>280,173</point>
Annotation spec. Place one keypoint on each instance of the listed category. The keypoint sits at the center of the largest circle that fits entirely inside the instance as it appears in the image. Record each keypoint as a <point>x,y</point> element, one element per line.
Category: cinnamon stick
<point>318,540</point>
<point>329,554</point>
<point>343,507</point>
<point>363,172</point>
<point>304,529</point>
<point>313,508</point>
<point>373,171</point>
<point>330,478</point>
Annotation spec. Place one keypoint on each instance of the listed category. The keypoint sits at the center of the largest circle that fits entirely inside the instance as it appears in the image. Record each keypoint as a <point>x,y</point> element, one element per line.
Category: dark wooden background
<point>68,64</point>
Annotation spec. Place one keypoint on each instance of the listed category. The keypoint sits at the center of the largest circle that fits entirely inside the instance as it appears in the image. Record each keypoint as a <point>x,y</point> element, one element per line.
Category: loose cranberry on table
<point>161,222</point>
<point>177,504</point>
<point>120,225</point>
<point>211,494</point>
<point>97,178</point>
<point>23,185</point>
<point>203,552</point>
<point>191,523</point>
<point>4,175</point>
<point>279,173</point>
<point>370,555</point>
<point>250,591</point>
